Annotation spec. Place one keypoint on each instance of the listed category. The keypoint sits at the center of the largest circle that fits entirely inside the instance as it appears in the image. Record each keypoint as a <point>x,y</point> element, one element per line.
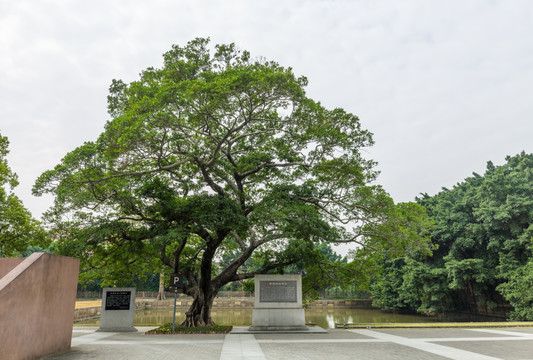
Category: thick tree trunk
<point>199,314</point>
<point>161,293</point>
<point>204,291</point>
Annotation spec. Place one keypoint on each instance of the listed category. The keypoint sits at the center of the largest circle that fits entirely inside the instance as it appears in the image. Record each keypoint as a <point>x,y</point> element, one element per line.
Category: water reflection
<point>325,318</point>
<point>328,317</point>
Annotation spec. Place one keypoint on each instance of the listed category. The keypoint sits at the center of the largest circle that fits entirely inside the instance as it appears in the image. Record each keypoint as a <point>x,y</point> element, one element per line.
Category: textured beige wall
<point>8,264</point>
<point>37,302</point>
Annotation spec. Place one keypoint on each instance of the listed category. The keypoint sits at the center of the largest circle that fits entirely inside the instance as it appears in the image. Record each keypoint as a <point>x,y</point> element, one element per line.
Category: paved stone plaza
<point>338,344</point>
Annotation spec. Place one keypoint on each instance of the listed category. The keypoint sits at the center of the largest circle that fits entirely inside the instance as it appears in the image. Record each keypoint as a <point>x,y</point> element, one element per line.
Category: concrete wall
<point>249,303</point>
<point>93,312</point>
<point>38,298</point>
<point>8,264</point>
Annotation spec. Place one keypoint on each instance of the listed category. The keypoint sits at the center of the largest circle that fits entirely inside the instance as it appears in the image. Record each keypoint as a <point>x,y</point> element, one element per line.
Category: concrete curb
<point>455,325</point>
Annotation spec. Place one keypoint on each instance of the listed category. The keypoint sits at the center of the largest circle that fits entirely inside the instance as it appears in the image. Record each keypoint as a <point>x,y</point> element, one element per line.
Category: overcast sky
<point>444,86</point>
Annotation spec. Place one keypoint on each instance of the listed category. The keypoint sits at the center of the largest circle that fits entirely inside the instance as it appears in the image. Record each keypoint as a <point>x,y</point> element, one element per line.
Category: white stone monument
<point>118,310</point>
<point>278,303</point>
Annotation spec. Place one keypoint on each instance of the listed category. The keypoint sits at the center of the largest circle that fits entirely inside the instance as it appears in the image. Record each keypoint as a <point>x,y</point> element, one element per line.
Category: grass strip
<point>167,329</point>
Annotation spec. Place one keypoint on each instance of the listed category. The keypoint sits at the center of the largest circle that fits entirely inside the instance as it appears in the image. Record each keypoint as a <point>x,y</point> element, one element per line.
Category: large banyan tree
<point>213,154</point>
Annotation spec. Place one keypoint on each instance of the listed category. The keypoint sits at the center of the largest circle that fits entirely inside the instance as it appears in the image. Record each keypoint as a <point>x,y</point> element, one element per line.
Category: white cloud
<point>444,86</point>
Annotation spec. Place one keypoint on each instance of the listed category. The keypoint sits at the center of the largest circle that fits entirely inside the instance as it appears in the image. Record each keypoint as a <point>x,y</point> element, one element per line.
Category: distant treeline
<point>483,238</point>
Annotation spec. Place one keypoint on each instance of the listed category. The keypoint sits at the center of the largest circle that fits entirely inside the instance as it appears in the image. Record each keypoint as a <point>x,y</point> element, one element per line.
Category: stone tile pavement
<point>338,344</point>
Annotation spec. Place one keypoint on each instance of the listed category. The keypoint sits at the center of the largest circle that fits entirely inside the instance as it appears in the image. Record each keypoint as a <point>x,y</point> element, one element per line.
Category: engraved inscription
<point>118,300</point>
<point>277,291</point>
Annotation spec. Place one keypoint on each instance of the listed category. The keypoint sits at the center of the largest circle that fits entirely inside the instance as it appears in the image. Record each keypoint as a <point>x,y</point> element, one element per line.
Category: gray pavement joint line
<point>446,339</point>
<point>158,342</point>
<point>241,347</point>
<point>470,339</point>
<point>303,341</point>
<point>91,338</point>
<point>504,332</point>
<point>82,331</point>
<point>436,349</point>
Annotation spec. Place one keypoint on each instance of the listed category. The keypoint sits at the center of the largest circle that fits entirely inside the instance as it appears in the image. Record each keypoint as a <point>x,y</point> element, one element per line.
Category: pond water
<point>325,318</point>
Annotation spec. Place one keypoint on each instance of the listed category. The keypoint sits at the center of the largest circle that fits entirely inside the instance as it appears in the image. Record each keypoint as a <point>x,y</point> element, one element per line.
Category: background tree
<point>18,230</point>
<point>484,232</point>
<point>217,153</point>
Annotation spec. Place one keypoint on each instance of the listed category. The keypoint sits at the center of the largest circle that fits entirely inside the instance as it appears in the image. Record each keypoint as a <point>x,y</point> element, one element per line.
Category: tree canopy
<point>18,230</point>
<point>217,153</point>
<point>484,232</point>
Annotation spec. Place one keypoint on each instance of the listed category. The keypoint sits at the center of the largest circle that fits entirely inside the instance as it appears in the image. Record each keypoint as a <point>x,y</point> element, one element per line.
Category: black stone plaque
<point>277,291</point>
<point>118,300</point>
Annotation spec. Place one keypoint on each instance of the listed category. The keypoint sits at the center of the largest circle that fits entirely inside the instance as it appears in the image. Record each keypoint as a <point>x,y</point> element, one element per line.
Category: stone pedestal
<point>118,310</point>
<point>278,303</point>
